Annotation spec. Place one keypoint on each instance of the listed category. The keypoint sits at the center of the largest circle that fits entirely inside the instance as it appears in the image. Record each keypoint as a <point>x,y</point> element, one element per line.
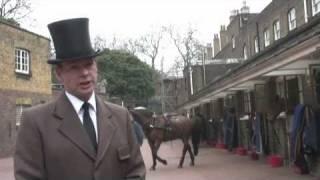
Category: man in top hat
<point>77,136</point>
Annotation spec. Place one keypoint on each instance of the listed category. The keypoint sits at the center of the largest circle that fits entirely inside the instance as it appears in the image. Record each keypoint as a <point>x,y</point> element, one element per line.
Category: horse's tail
<point>196,134</point>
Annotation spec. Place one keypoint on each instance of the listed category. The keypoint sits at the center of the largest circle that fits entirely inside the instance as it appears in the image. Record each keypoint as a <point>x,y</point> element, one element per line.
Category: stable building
<point>261,99</point>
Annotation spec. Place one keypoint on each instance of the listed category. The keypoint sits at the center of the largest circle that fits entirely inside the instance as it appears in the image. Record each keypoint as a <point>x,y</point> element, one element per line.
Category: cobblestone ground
<point>216,164</point>
<point>210,164</point>
<point>6,169</point>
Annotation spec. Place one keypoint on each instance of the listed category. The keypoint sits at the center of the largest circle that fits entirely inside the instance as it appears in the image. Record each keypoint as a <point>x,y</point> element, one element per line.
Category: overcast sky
<point>133,18</point>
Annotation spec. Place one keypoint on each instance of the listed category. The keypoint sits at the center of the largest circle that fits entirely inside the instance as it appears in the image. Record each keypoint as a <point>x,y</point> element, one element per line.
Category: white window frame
<point>315,7</point>
<point>266,35</point>
<point>276,30</point>
<point>292,21</point>
<point>233,40</point>
<point>256,45</point>
<point>245,52</point>
<point>19,110</point>
<point>22,61</point>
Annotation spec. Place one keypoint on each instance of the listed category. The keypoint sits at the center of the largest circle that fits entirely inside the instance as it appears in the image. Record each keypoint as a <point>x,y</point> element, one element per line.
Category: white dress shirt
<point>77,105</point>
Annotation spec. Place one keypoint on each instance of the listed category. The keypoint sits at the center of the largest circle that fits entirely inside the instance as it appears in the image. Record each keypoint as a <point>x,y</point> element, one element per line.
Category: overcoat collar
<point>73,130</point>
<point>106,128</point>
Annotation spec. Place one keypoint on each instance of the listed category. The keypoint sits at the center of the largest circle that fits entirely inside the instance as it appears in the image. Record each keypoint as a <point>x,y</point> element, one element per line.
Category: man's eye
<point>73,67</point>
<point>89,64</point>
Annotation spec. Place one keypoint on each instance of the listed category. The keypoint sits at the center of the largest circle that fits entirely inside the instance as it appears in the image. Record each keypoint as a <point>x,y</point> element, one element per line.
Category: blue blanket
<point>297,125</point>
<point>256,138</point>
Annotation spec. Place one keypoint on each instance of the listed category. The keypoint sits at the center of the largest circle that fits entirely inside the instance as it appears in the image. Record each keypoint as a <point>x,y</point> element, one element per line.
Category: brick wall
<point>17,89</point>
<point>39,80</point>
<point>10,99</point>
<point>257,24</point>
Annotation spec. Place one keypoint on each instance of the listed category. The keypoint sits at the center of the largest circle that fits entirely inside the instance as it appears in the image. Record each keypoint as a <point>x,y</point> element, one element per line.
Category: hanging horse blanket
<point>305,136</point>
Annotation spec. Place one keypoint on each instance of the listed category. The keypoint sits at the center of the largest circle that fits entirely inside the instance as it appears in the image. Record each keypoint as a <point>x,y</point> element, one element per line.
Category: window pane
<point>292,19</point>
<point>276,30</point>
<point>266,38</point>
<point>245,55</point>
<point>256,45</point>
<point>19,109</point>
<point>315,6</point>
<point>233,42</point>
<point>22,61</point>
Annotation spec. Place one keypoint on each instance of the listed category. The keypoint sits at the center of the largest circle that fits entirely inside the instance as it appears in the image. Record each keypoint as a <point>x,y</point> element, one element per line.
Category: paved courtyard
<point>6,169</point>
<point>210,164</point>
<point>216,164</point>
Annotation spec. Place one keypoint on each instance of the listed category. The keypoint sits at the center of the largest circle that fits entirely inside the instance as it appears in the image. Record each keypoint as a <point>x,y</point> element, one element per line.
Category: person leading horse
<point>162,128</point>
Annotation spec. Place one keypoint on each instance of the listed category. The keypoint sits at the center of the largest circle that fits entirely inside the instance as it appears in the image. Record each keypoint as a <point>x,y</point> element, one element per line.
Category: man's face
<point>78,77</point>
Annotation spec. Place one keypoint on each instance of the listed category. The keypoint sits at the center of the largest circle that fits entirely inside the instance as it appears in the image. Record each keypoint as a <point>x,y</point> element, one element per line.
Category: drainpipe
<point>204,68</point>
<point>191,84</point>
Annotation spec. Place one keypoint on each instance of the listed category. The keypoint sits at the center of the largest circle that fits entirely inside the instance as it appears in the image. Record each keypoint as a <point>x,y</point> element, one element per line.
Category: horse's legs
<point>157,146</point>
<point>163,161</point>
<point>183,155</point>
<point>151,144</point>
<point>191,155</point>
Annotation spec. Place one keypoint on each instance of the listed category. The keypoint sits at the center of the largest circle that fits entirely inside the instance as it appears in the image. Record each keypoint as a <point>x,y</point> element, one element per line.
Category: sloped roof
<point>21,29</point>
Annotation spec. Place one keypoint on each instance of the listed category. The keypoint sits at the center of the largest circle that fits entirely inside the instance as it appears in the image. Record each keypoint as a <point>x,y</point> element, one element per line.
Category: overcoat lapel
<point>106,129</point>
<point>71,126</point>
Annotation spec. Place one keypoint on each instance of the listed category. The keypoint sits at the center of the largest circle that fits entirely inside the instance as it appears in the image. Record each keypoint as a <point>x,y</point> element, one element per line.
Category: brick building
<point>25,78</point>
<point>278,51</point>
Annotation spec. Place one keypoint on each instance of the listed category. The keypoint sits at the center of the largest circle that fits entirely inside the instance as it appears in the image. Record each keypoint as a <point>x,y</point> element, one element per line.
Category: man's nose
<point>84,71</point>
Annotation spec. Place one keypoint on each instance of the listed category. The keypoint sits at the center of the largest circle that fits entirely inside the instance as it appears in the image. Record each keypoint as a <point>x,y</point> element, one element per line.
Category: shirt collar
<point>77,103</point>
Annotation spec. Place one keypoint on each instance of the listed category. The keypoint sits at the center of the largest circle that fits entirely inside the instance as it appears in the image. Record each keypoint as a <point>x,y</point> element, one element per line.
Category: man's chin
<point>86,93</point>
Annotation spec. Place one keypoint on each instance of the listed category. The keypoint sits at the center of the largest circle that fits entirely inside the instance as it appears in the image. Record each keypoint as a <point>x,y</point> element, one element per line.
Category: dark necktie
<point>88,124</point>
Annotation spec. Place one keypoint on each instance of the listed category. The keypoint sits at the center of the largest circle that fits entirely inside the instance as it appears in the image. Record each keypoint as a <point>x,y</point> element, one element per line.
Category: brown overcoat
<point>53,145</point>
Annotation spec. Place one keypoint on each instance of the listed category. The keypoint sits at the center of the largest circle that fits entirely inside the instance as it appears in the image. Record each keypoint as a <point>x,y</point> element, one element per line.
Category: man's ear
<point>57,71</point>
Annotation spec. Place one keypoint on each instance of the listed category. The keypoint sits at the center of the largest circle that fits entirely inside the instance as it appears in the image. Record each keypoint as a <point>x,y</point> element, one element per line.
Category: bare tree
<point>114,43</point>
<point>187,45</point>
<point>99,43</point>
<point>149,46</point>
<point>176,68</point>
<point>132,46</point>
<point>14,9</point>
<point>189,49</point>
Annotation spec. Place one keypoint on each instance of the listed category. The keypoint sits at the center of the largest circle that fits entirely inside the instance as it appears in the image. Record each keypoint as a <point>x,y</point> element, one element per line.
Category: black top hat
<point>71,40</point>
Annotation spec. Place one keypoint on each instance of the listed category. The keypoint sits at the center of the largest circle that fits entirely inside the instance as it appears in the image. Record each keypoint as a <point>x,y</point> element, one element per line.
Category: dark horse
<point>164,128</point>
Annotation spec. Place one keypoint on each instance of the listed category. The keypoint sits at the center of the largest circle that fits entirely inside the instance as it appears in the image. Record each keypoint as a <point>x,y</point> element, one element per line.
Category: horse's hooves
<point>152,169</point>
<point>179,166</point>
<point>192,164</point>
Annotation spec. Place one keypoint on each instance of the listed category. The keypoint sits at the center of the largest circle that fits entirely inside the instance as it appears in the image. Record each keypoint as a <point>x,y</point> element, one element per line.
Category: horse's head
<point>142,116</point>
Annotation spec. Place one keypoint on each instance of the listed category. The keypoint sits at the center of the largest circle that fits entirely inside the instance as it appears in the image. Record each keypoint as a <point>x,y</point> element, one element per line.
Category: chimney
<point>233,13</point>
<point>216,44</point>
<point>245,9</point>
<point>209,51</point>
<point>223,37</point>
